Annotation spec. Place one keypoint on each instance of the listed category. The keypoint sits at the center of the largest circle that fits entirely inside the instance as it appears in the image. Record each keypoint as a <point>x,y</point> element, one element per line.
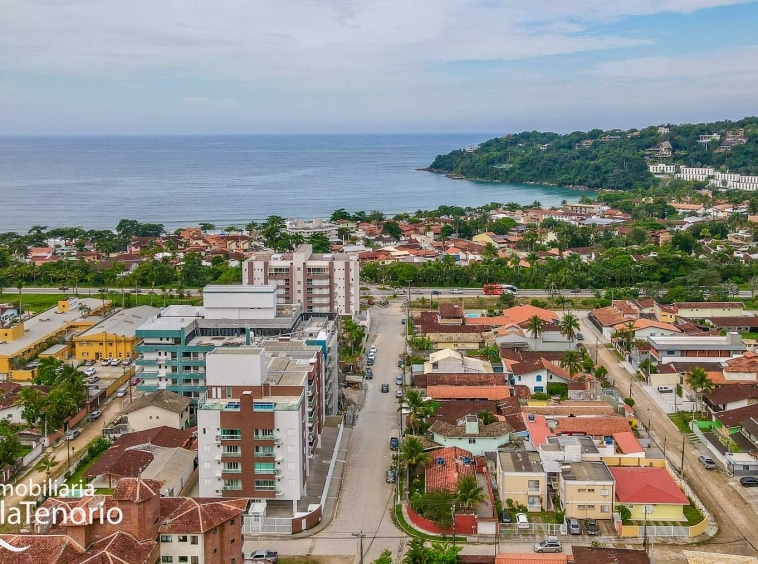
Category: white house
<point>161,408</point>
<point>472,434</point>
<point>537,375</point>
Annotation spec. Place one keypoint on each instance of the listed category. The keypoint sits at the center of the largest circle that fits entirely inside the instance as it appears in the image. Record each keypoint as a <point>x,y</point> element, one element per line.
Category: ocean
<point>93,182</point>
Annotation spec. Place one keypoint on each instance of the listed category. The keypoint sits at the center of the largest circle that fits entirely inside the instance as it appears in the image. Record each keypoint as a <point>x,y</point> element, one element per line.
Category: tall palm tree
<point>648,367</point>
<point>468,492</point>
<point>46,464</point>
<point>569,325</point>
<point>572,362</point>
<point>536,326</point>
<point>626,336</point>
<point>698,380</point>
<point>413,455</point>
<point>418,408</point>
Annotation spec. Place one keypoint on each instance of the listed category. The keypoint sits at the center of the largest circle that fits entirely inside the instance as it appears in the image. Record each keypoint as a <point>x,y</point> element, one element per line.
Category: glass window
<point>166,538</point>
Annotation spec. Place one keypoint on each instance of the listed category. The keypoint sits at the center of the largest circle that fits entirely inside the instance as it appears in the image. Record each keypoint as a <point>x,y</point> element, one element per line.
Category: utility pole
<point>452,510</point>
<point>682,473</point>
<point>360,536</point>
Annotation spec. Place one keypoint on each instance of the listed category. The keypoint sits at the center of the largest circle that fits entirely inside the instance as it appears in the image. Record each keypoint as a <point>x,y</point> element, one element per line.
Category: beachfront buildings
<point>259,422</point>
<point>113,337</point>
<point>176,341</point>
<point>320,283</point>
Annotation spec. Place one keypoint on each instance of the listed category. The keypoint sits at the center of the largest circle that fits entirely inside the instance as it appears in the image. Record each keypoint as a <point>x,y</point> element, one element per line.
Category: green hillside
<point>617,164</point>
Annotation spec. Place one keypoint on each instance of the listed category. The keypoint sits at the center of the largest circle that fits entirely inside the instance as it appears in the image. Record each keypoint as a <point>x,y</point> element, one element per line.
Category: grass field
<point>40,302</point>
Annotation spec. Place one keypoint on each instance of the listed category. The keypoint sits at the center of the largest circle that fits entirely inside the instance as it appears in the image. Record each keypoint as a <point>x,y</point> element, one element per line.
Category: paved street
<point>736,518</point>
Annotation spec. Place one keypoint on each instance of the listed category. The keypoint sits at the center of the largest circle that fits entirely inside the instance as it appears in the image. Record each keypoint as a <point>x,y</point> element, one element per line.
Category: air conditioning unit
<point>218,474</point>
<point>278,458</point>
<point>278,472</point>
<point>218,439</point>
<point>279,492</point>
<point>278,441</point>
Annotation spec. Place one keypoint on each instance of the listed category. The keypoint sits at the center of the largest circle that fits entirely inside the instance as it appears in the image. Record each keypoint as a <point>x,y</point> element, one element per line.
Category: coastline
<point>452,176</point>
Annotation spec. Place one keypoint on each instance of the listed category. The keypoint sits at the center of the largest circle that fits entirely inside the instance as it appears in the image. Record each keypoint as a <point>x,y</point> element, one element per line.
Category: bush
<point>539,396</point>
<point>629,401</point>
<point>539,303</point>
<point>557,389</point>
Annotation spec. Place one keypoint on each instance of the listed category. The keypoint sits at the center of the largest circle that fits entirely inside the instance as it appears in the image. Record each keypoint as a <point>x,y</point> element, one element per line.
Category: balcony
<point>232,471</point>
<point>230,454</point>
<point>232,488</point>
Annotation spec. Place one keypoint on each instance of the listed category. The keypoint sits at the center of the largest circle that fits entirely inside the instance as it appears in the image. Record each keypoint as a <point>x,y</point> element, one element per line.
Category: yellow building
<point>19,343</point>
<point>113,337</point>
<point>587,490</point>
<point>521,477</point>
<point>650,491</point>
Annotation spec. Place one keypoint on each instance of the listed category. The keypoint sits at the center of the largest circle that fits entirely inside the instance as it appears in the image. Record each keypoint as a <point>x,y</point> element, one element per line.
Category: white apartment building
<point>308,228</point>
<point>697,174</point>
<point>258,423</point>
<point>662,169</point>
<point>321,283</point>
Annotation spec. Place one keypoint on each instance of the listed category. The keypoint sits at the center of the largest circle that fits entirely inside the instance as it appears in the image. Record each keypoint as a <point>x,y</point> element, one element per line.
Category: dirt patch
<point>353,397</point>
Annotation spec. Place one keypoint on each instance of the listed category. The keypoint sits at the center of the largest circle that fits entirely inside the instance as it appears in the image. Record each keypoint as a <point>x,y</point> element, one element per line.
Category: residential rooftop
<point>123,323</point>
<point>520,461</point>
<point>586,472</point>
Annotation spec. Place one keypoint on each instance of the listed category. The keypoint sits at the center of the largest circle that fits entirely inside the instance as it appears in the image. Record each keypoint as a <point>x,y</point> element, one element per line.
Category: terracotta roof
<point>197,514</point>
<point>493,430</point>
<point>458,379</point>
<point>748,362</point>
<point>165,399</point>
<point>593,426</point>
<point>510,408</point>
<point>527,558</point>
<point>118,548</point>
<point>451,311</point>
<point>734,417</point>
<point>609,316</point>
<point>468,392</point>
<point>136,490</point>
<point>429,323</point>
<point>736,321</point>
<point>445,476</point>
<point>645,323</point>
<point>592,555</point>
<point>729,394</point>
<point>158,436</point>
<point>42,548</point>
<point>709,305</point>
<point>121,463</point>
<point>451,411</point>
<point>593,408</point>
<point>627,442</point>
<point>529,356</point>
<point>646,485</point>
<point>538,429</point>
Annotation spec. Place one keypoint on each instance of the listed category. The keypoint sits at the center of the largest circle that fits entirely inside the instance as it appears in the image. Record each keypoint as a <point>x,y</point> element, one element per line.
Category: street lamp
<point>360,536</point>
<point>645,510</point>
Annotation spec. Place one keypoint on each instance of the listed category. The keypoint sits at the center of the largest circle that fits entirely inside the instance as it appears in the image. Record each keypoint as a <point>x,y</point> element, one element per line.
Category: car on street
<point>417,292</point>
<point>372,350</point>
<point>121,392</point>
<point>456,291</point>
<point>369,374</point>
<point>399,362</point>
<point>94,415</point>
<point>579,337</point>
<point>394,443</point>
<point>591,527</point>
<point>385,388</point>
<point>402,321</point>
<point>102,290</point>
<point>90,371</point>
<point>707,462</point>
<point>399,380</point>
<point>399,394</point>
<point>749,481</point>
<point>63,288</point>
<point>72,434</point>
<point>105,362</point>
<point>436,292</point>
<point>261,556</point>
<point>370,361</point>
<point>391,477</point>
<point>550,544</point>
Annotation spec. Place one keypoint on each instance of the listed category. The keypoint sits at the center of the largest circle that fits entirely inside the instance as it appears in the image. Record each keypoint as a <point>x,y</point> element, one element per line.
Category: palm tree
<point>486,416</point>
<point>418,408</point>
<point>413,455</point>
<point>698,380</point>
<point>572,362</point>
<point>648,367</point>
<point>569,325</point>
<point>626,336</point>
<point>536,326</point>
<point>468,491</point>
<point>46,464</point>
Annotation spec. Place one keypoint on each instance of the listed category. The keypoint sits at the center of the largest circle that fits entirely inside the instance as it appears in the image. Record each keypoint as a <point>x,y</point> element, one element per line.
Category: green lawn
<point>33,302</point>
<point>400,522</point>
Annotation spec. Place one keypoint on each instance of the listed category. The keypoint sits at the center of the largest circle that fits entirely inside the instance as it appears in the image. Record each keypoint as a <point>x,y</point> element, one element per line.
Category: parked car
<point>391,476</point>
<point>121,392</point>
<point>399,380</point>
<point>369,374</point>
<point>261,556</point>
<point>372,350</point>
<point>127,361</point>
<point>550,544</point>
<point>572,525</point>
<point>402,321</point>
<point>385,388</point>
<point>707,462</point>
<point>94,415</point>
<point>93,379</point>
<point>665,390</point>
<point>579,337</point>
<point>505,517</point>
<point>136,381</point>
<point>115,362</point>
<point>749,481</point>
<point>90,362</point>
<point>90,372</point>
<point>399,362</point>
<point>394,443</point>
<point>399,394</point>
<point>522,521</point>
<point>72,434</point>
<point>105,361</point>
<point>591,526</point>
<point>456,291</point>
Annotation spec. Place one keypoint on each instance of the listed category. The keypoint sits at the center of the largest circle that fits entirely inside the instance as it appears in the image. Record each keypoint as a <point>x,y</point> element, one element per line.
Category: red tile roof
<point>197,514</point>
<point>646,485</point>
<point>445,476</point>
<point>118,548</point>
<point>735,392</point>
<point>157,436</point>
<point>458,379</point>
<point>734,417</point>
<point>592,555</point>
<point>627,442</point>
<point>136,489</point>
<point>468,392</point>
<point>592,426</point>
<point>42,548</point>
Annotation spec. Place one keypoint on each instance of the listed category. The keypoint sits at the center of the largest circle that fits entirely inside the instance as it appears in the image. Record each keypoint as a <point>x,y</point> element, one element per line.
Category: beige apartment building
<point>322,283</point>
<point>586,489</point>
<point>521,477</point>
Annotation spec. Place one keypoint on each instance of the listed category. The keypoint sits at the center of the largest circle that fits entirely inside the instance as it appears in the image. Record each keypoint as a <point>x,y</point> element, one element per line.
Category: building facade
<point>320,283</point>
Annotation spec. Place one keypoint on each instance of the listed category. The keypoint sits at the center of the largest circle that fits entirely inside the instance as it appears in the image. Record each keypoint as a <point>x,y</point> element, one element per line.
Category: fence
<point>33,454</point>
<point>259,525</point>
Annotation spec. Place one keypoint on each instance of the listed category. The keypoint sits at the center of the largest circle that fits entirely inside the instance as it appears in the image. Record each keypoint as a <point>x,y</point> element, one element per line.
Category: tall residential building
<point>176,341</point>
<point>259,421</point>
<point>321,283</point>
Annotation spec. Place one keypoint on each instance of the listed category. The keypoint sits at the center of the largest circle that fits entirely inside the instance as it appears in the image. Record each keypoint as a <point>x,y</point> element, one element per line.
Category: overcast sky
<point>311,66</point>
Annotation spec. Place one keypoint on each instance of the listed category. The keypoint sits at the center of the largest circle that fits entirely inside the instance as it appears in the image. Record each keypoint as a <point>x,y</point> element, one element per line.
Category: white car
<point>372,350</point>
<point>105,361</point>
<point>90,371</point>
<point>456,291</point>
<point>115,362</point>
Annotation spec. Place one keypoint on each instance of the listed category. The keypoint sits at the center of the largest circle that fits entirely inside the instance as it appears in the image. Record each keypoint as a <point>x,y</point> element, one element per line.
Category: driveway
<point>366,500</point>
<point>736,519</point>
